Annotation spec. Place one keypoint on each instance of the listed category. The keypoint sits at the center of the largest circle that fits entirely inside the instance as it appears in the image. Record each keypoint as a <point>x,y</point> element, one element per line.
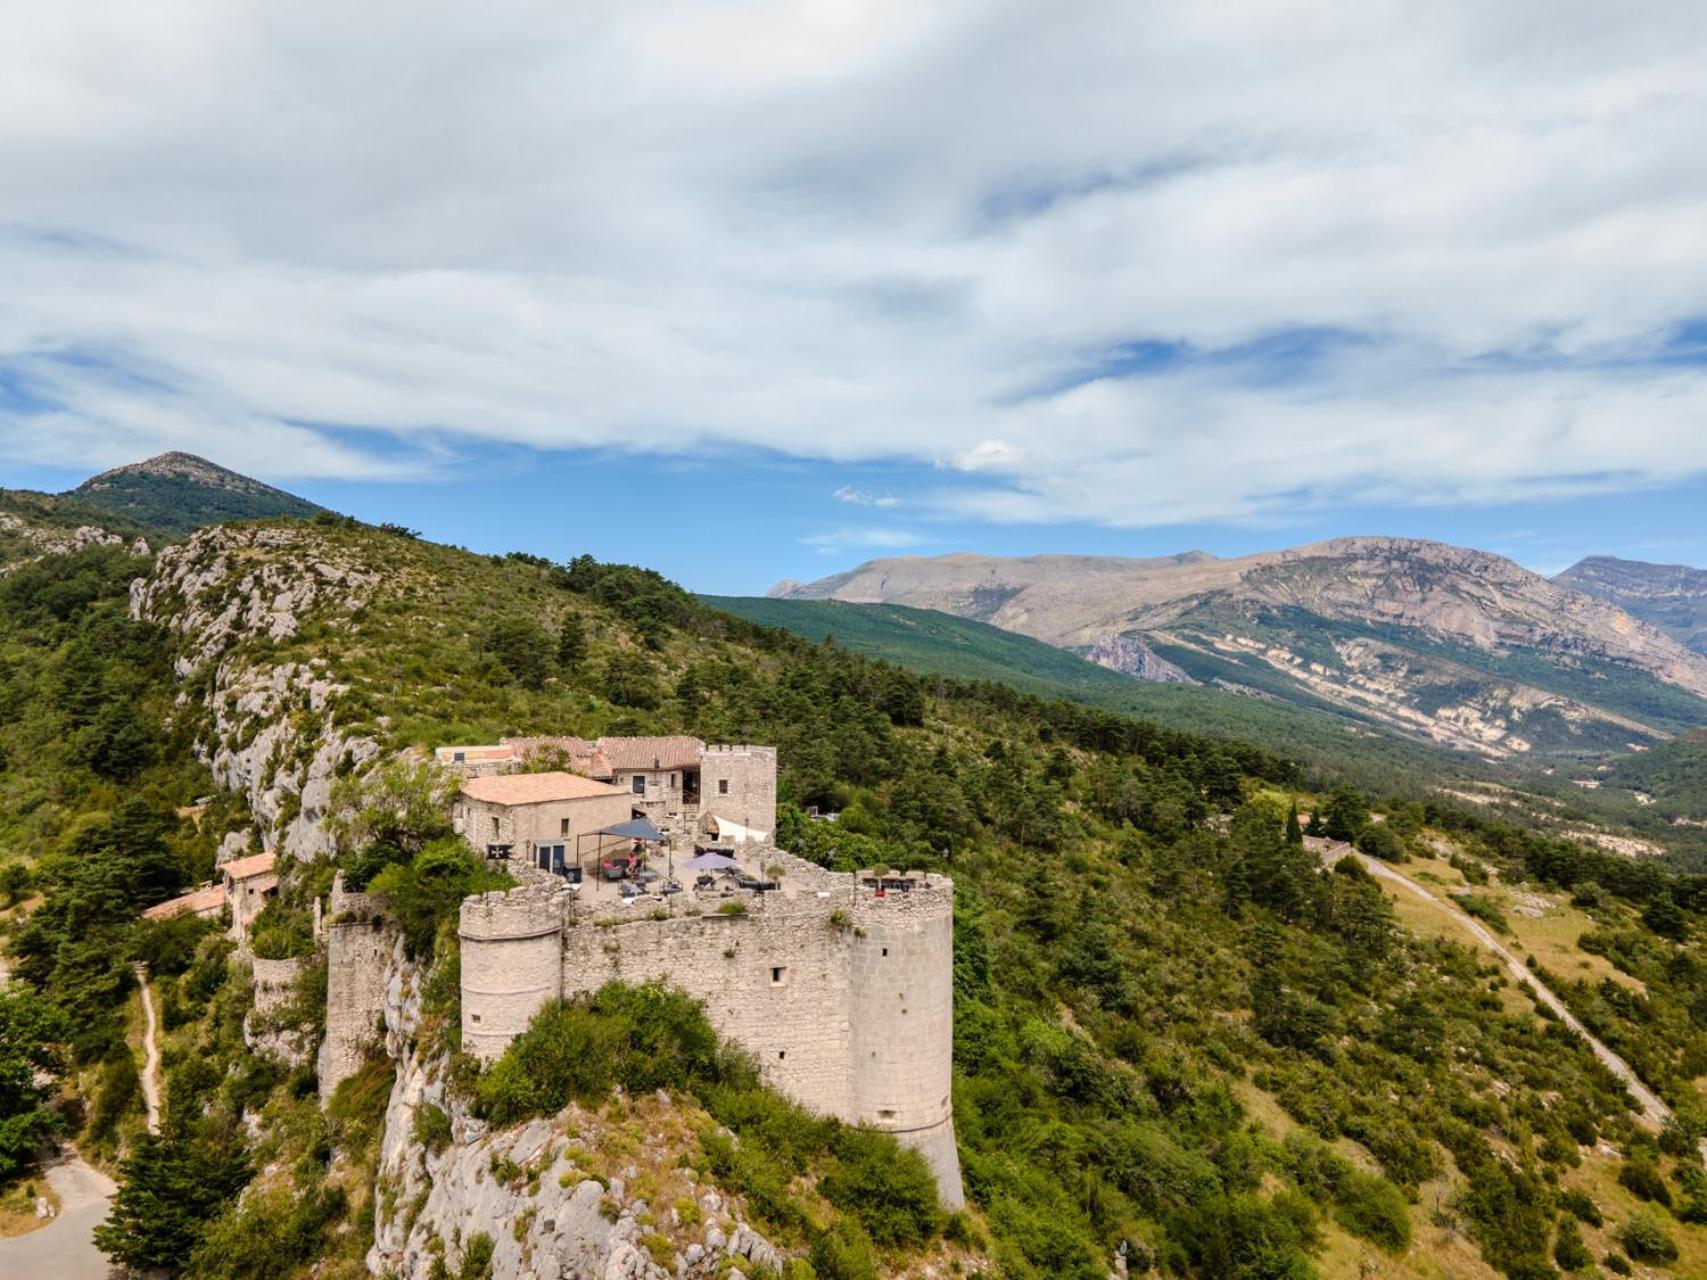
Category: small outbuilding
<point>538,816</point>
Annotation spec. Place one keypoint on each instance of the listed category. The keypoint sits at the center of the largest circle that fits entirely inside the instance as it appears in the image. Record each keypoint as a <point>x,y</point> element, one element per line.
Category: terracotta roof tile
<point>652,753</point>
<point>208,899</point>
<point>256,864</point>
<point>535,788</point>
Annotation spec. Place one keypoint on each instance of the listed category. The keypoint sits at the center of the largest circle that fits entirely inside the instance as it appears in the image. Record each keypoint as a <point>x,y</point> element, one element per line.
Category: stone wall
<point>511,963</point>
<point>482,822</point>
<point>359,947</point>
<point>738,784</point>
<point>275,987</point>
<point>842,993</point>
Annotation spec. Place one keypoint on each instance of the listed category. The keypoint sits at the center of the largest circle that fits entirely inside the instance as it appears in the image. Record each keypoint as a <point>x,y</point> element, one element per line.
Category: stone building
<point>243,887</point>
<point>549,820</point>
<point>840,985</point>
<point>249,882</point>
<point>678,782</point>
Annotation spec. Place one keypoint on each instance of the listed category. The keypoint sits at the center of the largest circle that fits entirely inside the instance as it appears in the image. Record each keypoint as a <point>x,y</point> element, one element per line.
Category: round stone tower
<point>901,1020</point>
<point>512,964</point>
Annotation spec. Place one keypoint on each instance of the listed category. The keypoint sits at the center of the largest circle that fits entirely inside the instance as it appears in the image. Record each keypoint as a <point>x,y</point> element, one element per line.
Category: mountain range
<point>1457,647</point>
<point>1672,597</point>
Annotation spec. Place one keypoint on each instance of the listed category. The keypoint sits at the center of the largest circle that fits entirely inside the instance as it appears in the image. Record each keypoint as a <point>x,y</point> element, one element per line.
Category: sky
<point>746,290</point>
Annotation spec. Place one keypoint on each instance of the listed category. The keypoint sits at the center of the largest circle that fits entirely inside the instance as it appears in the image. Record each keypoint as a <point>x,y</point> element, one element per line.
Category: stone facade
<point>677,782</point>
<point>359,947</point>
<point>840,988</point>
<point>248,883</point>
<point>275,988</point>
<point>738,784</point>
<point>527,825</point>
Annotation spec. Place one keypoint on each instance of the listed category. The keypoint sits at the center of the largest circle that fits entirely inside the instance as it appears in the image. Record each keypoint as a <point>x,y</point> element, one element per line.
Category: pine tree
<point>1294,832</point>
<point>571,642</point>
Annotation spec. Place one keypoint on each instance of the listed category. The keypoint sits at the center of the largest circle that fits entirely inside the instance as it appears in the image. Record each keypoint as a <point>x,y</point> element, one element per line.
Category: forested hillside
<point>1178,1037</point>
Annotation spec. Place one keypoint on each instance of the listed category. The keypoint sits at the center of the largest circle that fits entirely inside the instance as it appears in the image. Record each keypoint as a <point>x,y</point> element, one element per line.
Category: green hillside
<point>1674,774</point>
<point>1310,730</point>
<point>178,493</point>
<point>1176,1032</point>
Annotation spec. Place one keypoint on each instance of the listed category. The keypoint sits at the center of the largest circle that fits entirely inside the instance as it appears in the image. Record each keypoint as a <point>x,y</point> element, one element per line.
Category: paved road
<point>1654,1112</point>
<point>65,1248</point>
<point>151,1053</point>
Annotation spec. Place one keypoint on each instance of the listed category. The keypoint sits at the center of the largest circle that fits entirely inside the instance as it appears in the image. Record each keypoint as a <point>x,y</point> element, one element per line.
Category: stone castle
<point>840,985</point>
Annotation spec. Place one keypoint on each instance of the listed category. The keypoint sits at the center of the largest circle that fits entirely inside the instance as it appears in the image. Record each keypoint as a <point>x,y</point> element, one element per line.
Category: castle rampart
<point>840,985</point>
<point>359,943</point>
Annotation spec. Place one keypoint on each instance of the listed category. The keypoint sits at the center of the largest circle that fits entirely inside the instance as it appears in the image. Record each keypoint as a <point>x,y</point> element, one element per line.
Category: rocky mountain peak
<point>179,466</point>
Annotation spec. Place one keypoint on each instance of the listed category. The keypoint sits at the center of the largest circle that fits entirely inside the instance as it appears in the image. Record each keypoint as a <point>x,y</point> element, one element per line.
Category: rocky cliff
<point>1456,646</point>
<point>267,727</point>
<point>1671,597</point>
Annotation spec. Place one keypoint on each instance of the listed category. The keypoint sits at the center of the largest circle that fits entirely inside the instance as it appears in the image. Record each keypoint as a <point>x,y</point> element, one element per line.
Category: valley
<point>1179,1035</point>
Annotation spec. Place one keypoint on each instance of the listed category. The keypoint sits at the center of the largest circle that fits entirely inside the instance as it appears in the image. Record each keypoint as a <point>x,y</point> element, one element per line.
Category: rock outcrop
<point>37,540</point>
<point>1456,646</point>
<point>269,728</point>
<point>600,1194</point>
<point>1672,597</point>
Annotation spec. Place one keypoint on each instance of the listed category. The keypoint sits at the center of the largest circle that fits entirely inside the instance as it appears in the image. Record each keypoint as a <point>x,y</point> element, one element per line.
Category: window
<point>885,950</point>
<point>460,757</point>
<point>474,1017</point>
<point>672,779</point>
<point>782,1053</point>
<point>639,784</point>
<point>885,1115</point>
<point>495,826</point>
<point>723,786</point>
<point>563,827</point>
<point>778,973</point>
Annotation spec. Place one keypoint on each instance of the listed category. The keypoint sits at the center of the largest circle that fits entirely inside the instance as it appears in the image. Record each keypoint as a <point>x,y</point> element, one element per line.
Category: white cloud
<point>854,539</point>
<point>867,230</point>
<point>864,497</point>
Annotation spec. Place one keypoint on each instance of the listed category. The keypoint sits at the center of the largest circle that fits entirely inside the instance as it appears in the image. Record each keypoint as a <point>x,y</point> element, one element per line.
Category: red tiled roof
<point>208,899</point>
<point>256,864</point>
<point>652,753</point>
<point>584,757</point>
<point>535,788</point>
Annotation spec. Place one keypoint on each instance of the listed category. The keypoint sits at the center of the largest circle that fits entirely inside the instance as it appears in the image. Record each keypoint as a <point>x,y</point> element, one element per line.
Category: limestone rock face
<point>1672,597</point>
<point>1452,645</point>
<point>271,730</point>
<point>527,1190</point>
<point>36,540</point>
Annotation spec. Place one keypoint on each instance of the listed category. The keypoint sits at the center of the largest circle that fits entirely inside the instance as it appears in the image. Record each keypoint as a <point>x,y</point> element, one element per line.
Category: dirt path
<point>65,1248</point>
<point>151,1052</point>
<point>1654,1112</point>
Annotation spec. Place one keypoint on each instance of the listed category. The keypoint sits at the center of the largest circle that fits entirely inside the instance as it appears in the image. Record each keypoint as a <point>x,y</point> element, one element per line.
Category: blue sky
<point>1004,275</point>
<point>736,525</point>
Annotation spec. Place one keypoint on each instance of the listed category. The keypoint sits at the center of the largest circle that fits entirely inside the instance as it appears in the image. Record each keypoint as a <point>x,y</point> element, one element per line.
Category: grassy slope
<point>179,505</point>
<point>925,640</point>
<point>1104,1027</point>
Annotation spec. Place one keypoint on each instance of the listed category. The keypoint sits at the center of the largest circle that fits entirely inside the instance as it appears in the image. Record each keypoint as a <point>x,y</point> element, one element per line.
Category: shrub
<point>891,1191</point>
<point>642,1038</point>
<point>1375,1209</point>
<point>1618,1264</point>
<point>1641,1177</point>
<point>1581,1207</point>
<point>1645,1238</point>
<point>1484,909</point>
<point>1569,1251</point>
<point>1380,841</point>
<point>844,1253</point>
<point>431,1127</point>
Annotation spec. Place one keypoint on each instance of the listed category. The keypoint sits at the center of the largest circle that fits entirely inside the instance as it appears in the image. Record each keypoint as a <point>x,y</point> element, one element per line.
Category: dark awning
<point>635,829</point>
